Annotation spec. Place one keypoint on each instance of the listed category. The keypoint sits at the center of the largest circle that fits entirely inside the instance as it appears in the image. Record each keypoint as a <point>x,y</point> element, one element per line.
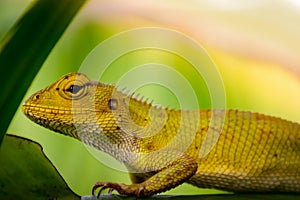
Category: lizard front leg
<point>174,174</point>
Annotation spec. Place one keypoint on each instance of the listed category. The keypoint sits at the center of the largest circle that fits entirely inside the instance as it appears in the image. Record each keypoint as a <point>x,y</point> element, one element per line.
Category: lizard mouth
<point>47,117</point>
<point>30,109</point>
<point>49,112</point>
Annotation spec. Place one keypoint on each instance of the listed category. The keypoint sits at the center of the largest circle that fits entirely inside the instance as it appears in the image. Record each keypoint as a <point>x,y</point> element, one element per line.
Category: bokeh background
<point>255,46</point>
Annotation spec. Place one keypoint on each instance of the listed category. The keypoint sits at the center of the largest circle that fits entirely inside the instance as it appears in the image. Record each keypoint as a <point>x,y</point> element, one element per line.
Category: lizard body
<point>162,148</point>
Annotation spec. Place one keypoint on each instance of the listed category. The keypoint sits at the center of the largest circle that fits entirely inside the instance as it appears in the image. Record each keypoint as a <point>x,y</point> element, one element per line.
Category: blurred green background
<point>255,47</point>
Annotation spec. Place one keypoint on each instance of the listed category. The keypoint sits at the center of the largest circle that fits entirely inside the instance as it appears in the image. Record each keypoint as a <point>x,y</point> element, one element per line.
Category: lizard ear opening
<point>113,104</point>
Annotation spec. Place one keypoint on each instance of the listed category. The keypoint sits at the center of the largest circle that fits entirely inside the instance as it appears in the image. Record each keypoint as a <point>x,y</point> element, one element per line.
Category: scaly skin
<point>162,148</point>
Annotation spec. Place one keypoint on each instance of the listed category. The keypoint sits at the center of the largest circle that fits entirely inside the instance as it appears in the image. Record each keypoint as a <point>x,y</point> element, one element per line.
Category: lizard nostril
<point>36,97</point>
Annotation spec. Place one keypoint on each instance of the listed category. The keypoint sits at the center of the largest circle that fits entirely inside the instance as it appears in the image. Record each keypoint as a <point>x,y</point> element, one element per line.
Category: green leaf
<point>27,174</point>
<point>26,46</point>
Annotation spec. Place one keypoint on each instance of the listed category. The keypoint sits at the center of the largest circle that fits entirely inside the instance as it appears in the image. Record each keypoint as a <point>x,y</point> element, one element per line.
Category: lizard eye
<point>74,89</point>
<point>73,86</point>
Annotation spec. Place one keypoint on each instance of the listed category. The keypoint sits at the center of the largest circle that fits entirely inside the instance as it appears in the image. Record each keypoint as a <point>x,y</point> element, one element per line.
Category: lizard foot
<point>134,189</point>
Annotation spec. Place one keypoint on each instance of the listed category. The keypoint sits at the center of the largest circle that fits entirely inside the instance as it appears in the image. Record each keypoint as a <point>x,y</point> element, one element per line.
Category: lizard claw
<point>134,189</point>
<point>105,185</point>
<point>110,191</point>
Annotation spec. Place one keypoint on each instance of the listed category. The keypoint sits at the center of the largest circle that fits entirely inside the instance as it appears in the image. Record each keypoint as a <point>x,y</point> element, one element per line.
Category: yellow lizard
<point>162,148</point>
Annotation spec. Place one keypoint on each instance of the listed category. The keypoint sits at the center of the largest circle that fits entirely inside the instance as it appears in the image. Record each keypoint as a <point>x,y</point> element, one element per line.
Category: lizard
<point>226,149</point>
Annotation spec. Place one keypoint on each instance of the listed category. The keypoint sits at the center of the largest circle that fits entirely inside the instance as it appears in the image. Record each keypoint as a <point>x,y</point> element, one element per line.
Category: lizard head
<point>70,103</point>
<point>97,114</point>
